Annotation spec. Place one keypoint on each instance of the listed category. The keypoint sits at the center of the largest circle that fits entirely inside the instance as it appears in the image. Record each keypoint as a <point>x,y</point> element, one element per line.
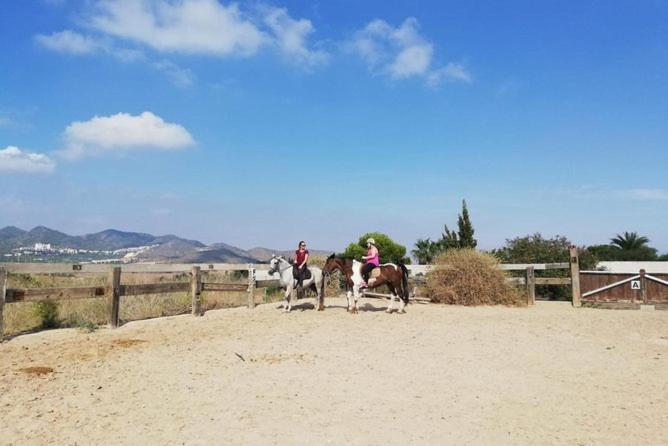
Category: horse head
<point>274,264</point>
<point>331,265</point>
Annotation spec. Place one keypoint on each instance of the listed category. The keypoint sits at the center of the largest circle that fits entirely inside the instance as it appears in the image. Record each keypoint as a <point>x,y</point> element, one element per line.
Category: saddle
<point>307,273</point>
<point>373,275</point>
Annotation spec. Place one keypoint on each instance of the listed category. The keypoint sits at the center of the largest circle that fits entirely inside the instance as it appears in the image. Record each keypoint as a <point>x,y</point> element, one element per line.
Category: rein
<point>279,270</point>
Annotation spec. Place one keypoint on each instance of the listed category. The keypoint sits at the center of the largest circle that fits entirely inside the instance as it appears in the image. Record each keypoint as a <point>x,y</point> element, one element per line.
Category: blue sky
<point>265,123</point>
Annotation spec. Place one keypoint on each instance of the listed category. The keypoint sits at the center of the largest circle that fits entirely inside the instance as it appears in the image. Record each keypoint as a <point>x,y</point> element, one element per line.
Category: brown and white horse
<point>394,276</point>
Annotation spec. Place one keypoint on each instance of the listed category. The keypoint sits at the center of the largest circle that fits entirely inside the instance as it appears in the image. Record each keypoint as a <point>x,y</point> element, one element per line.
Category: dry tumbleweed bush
<point>469,277</point>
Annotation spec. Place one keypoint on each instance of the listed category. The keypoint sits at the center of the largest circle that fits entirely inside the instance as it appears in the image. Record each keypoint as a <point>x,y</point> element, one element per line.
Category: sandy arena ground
<point>436,375</point>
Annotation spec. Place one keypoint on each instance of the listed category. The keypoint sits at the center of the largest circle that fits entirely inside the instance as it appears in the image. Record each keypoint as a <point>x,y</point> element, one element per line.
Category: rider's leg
<point>300,280</point>
<point>366,269</point>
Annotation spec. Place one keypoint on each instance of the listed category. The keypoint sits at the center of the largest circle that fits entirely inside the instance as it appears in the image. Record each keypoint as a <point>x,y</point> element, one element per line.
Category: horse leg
<point>287,306</point>
<point>318,297</point>
<point>356,296</point>
<point>402,304</point>
<point>349,298</point>
<point>390,308</point>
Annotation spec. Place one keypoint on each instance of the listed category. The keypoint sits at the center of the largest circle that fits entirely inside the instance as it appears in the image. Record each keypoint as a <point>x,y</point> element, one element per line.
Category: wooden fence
<point>605,289</point>
<point>530,280</point>
<point>113,290</point>
<point>257,278</point>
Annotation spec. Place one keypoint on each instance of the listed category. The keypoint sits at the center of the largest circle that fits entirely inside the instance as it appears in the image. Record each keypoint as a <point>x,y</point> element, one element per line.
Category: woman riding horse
<point>299,267</point>
<point>372,259</point>
<point>395,276</point>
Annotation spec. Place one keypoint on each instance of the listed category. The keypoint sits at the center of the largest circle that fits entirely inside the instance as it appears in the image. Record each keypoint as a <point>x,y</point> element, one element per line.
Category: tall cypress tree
<point>466,230</point>
<point>463,237</point>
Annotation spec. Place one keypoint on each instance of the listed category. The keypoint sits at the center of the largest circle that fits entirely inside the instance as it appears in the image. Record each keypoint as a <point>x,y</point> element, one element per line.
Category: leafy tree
<point>426,250</point>
<point>625,247</point>
<point>663,258</point>
<point>390,251</point>
<point>606,252</point>
<point>537,249</point>
<point>449,240</point>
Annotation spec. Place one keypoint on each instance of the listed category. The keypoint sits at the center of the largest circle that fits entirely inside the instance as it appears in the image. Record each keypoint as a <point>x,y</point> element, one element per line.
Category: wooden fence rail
<point>114,290</point>
<point>199,282</point>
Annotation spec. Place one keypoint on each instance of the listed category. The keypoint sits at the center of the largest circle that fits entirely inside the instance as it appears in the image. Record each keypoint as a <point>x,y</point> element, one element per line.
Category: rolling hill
<point>164,248</point>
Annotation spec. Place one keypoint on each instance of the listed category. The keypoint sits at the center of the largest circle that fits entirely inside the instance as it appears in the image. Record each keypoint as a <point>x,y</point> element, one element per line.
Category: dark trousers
<point>366,270</point>
<point>298,273</point>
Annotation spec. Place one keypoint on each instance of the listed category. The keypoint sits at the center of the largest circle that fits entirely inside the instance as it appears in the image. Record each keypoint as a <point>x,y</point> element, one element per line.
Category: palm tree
<point>630,241</point>
<point>425,250</point>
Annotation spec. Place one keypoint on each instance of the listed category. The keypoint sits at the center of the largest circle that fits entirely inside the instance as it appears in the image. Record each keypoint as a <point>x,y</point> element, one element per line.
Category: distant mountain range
<point>165,248</point>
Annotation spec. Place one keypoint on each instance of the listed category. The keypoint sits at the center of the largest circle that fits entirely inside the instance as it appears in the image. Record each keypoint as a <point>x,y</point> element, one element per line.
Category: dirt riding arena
<point>550,374</point>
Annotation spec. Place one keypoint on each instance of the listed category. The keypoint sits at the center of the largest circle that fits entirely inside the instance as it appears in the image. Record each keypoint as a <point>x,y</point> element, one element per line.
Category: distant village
<point>44,252</point>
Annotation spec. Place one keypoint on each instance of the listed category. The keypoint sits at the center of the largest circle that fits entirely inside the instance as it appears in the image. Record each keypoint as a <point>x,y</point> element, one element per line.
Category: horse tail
<point>404,282</point>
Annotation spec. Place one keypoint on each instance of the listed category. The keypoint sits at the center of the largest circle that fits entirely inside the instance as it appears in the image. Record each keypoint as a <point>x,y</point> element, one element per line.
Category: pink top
<point>375,260</point>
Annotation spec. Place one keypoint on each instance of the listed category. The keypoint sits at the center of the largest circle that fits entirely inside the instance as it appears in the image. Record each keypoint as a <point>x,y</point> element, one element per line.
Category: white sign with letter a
<point>635,284</point>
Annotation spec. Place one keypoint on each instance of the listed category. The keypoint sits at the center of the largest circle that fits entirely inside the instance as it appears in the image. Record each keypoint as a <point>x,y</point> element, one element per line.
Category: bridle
<point>278,269</point>
<point>338,266</point>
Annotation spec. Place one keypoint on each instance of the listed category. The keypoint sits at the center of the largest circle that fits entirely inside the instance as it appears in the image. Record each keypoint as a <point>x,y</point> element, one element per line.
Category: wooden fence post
<point>114,295</point>
<point>3,291</point>
<point>575,276</point>
<point>643,282</point>
<point>531,285</point>
<point>251,286</point>
<point>196,290</point>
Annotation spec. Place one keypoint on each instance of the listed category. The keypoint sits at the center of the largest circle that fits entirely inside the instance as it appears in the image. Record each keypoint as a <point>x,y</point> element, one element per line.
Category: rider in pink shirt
<point>372,259</point>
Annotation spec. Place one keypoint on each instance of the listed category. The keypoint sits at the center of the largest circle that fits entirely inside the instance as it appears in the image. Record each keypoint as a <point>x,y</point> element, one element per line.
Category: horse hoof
<point>402,311</point>
<point>389,311</point>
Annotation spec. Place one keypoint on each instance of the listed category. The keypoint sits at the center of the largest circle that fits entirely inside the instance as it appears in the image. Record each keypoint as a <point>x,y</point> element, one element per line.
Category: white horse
<point>284,269</point>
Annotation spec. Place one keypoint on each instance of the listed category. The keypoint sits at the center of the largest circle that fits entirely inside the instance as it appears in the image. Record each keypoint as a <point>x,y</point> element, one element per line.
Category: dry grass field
<point>548,374</point>
<point>90,313</point>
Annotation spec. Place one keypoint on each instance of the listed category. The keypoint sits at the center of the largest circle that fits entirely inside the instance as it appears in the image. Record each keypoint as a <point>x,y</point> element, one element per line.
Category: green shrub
<point>47,313</point>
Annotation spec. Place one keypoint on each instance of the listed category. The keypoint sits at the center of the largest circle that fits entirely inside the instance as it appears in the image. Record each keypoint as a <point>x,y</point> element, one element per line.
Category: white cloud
<point>402,52</point>
<point>72,42</point>
<point>13,159</point>
<point>452,72</point>
<point>291,37</point>
<point>644,194</point>
<point>122,133</point>
<point>412,61</point>
<point>206,27</point>
<point>188,26</point>
<point>69,42</point>
<point>181,77</point>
